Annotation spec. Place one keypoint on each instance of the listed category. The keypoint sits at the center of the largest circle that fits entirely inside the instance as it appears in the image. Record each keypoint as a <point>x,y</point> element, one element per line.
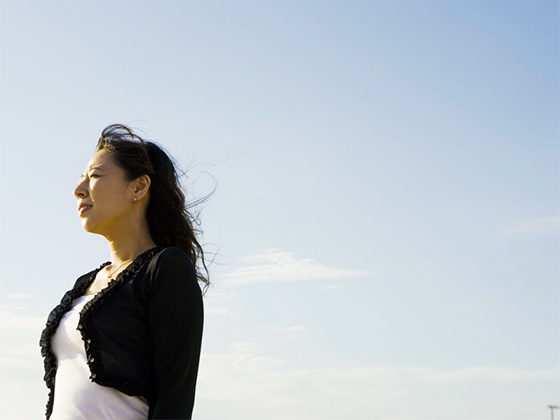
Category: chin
<point>88,226</point>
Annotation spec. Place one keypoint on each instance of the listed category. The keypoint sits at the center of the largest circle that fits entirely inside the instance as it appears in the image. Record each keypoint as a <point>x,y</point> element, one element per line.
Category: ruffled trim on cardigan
<point>53,321</point>
<point>92,352</point>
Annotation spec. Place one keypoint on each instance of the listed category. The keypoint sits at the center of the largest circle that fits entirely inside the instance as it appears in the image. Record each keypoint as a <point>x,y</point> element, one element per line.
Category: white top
<point>76,397</point>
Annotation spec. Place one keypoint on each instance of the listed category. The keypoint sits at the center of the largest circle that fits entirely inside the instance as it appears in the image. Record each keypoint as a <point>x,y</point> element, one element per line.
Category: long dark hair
<point>169,220</point>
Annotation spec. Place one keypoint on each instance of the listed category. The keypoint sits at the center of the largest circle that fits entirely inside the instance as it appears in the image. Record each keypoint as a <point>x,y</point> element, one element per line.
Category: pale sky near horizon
<point>386,212</point>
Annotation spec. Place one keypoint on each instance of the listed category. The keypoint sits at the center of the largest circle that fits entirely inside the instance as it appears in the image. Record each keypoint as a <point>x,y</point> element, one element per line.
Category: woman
<point>124,343</point>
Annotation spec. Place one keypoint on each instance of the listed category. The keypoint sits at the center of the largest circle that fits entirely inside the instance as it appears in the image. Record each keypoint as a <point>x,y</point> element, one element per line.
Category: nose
<point>80,191</point>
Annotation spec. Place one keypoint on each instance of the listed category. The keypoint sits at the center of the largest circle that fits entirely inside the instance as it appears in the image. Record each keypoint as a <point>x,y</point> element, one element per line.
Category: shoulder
<point>170,255</point>
<point>171,260</point>
<point>172,276</point>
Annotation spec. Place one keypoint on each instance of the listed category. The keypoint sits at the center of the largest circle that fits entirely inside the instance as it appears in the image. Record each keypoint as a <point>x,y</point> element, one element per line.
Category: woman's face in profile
<point>104,195</point>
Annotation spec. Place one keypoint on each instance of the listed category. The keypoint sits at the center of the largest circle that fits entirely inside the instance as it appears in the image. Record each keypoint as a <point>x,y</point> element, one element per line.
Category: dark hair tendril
<point>169,219</point>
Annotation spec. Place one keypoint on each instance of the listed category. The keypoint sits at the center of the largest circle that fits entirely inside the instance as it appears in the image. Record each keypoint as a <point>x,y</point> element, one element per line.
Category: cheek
<point>117,203</point>
<point>105,192</point>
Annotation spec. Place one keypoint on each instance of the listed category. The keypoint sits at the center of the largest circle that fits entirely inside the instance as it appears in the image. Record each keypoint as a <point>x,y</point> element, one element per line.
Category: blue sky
<point>385,221</point>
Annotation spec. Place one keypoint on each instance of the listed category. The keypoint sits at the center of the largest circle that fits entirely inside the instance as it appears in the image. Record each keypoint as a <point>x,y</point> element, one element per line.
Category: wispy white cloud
<point>211,310</point>
<point>260,384</point>
<point>16,362</point>
<point>215,303</point>
<point>19,340</point>
<point>12,319</point>
<point>488,373</point>
<point>332,287</point>
<point>294,328</point>
<point>535,226</point>
<point>274,265</point>
<point>19,296</point>
<point>291,334</point>
<point>242,347</point>
<point>21,365</point>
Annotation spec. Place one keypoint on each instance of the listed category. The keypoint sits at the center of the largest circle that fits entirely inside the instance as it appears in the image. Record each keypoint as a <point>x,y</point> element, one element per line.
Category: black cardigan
<point>142,333</point>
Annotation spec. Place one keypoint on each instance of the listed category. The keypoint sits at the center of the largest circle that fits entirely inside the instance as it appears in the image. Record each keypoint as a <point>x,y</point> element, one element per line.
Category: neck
<point>129,243</point>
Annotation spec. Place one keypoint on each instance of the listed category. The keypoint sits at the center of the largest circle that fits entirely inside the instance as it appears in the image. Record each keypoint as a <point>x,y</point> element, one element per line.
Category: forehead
<point>101,159</point>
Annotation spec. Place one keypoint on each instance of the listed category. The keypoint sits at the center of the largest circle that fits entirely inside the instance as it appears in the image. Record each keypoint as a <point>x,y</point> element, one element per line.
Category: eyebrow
<point>91,169</point>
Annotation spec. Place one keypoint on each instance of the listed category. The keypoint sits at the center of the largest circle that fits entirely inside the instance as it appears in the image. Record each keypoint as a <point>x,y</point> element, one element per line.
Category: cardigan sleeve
<point>175,319</point>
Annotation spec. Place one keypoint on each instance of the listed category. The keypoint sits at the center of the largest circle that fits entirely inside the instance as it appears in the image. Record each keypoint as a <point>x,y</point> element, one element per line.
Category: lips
<point>83,207</point>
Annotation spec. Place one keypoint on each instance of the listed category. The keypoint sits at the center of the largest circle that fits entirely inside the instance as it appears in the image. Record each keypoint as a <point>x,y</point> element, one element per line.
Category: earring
<point>135,199</point>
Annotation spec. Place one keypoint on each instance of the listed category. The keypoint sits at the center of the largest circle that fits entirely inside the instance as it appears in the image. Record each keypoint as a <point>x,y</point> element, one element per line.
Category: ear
<point>141,187</point>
